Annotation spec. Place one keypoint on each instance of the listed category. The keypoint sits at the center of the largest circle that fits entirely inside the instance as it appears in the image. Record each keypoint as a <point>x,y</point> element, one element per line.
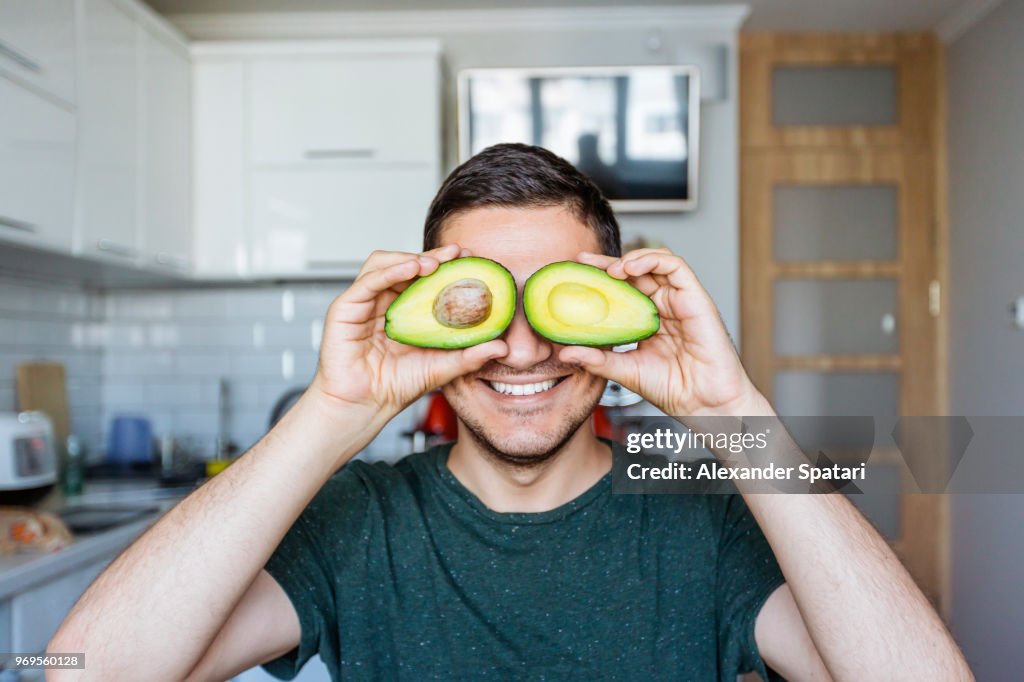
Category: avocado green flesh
<point>580,305</point>
<point>410,317</point>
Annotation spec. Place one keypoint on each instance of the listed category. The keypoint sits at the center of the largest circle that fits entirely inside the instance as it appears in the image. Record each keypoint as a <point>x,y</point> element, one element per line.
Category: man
<point>506,555</point>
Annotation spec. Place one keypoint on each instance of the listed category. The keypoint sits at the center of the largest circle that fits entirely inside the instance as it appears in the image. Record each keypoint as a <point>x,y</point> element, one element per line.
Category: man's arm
<point>155,610</point>
<point>194,579</point>
<point>784,642</point>
<point>857,604</point>
<point>262,627</point>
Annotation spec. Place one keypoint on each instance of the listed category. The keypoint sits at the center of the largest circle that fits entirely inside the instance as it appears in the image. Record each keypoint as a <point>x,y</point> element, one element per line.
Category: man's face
<point>523,429</point>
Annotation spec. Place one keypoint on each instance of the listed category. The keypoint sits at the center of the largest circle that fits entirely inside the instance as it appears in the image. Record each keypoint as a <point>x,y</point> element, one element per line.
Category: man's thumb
<point>617,367</point>
<point>455,363</point>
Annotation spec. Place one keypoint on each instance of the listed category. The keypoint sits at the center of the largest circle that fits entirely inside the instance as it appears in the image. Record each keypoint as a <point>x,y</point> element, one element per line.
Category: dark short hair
<point>514,175</point>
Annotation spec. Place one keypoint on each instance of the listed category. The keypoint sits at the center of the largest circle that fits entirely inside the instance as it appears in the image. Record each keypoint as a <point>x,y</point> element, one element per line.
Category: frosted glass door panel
<point>837,394</point>
<point>836,316</point>
<point>836,222</point>
<point>835,95</point>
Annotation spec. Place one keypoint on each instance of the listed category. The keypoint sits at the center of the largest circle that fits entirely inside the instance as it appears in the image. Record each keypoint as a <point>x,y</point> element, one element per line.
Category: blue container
<point>131,441</point>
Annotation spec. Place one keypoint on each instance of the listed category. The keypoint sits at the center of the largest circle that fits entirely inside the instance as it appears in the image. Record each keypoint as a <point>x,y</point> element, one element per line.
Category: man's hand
<point>689,367</point>
<point>361,367</point>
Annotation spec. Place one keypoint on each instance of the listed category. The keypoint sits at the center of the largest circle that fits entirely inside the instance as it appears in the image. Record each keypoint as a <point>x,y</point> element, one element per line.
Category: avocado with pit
<point>581,305</point>
<point>464,302</point>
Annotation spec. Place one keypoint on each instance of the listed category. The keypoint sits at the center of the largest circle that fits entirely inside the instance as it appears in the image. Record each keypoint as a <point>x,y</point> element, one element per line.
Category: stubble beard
<point>528,457</point>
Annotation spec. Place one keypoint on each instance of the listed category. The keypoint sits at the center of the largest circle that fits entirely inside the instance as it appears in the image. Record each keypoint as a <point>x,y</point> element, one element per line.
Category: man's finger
<point>644,283</point>
<point>598,260</point>
<point>636,253</point>
<point>378,260</point>
<point>367,287</point>
<point>447,365</point>
<point>622,368</point>
<point>674,268</point>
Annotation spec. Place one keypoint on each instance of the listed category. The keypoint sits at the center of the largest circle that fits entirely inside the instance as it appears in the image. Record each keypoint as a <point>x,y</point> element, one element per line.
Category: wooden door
<point>842,242</point>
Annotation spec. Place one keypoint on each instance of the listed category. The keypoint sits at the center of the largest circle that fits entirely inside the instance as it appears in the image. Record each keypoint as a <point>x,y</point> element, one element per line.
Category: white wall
<point>986,146</point>
<point>707,237</point>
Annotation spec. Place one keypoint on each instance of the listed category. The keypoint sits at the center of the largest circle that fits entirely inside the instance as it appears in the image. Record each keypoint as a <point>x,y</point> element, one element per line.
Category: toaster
<point>28,454</point>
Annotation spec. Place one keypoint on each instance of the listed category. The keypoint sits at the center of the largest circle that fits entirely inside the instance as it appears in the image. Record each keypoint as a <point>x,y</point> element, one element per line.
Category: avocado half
<point>581,305</point>
<point>464,302</point>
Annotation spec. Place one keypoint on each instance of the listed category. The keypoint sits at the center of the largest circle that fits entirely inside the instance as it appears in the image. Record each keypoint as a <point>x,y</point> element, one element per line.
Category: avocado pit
<point>463,303</point>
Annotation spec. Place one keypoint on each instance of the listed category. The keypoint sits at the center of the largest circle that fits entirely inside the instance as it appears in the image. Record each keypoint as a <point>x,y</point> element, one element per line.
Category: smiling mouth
<point>523,389</point>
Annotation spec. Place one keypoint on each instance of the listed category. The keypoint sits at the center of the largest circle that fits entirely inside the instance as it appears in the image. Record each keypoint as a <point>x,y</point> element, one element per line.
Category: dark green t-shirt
<point>400,572</point>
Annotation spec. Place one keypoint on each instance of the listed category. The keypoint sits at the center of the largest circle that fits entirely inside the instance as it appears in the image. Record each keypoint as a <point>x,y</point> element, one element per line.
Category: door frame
<point>911,155</point>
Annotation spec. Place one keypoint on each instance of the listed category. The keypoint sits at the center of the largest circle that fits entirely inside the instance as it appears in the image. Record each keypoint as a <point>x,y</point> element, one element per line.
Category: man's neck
<point>504,487</point>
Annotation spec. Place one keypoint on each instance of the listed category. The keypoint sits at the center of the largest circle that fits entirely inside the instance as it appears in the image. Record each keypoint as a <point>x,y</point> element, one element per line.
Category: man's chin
<point>524,450</point>
<point>522,431</point>
<point>524,441</point>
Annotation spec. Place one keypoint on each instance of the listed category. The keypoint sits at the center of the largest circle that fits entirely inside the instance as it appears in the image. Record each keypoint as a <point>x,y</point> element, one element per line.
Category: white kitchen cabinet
<point>109,164</point>
<point>221,247</point>
<point>134,139</point>
<point>167,227</point>
<point>326,219</point>
<point>37,45</point>
<point>309,155</point>
<point>322,108</point>
<point>37,169</point>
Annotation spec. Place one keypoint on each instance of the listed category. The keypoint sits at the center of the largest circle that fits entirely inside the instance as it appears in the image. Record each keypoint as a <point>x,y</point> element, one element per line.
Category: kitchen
<point>185,186</point>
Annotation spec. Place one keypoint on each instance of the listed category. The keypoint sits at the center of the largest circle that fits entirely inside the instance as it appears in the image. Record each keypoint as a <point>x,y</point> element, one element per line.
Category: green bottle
<point>74,467</point>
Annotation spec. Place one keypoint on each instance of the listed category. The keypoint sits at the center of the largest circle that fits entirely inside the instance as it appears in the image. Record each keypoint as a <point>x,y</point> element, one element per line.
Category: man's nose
<point>526,347</point>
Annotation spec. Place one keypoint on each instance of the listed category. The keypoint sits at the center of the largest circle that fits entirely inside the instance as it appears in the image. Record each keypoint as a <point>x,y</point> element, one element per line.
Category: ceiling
<point>766,15</point>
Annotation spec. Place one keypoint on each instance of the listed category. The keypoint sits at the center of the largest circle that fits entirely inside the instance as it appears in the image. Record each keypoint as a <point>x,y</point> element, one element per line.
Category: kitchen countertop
<point>21,571</point>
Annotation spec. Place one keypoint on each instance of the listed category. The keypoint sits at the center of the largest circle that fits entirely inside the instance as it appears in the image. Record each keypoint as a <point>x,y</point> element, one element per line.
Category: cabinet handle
<point>17,224</point>
<point>19,58</point>
<point>328,264</point>
<point>169,260</point>
<point>314,154</point>
<point>116,249</point>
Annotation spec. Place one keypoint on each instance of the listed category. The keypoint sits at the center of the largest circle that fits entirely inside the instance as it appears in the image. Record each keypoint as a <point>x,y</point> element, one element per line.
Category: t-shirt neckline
<point>597,491</point>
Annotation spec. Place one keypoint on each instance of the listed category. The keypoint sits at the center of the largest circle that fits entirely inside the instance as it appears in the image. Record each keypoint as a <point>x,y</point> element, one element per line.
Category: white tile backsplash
<point>162,353</point>
<point>49,322</point>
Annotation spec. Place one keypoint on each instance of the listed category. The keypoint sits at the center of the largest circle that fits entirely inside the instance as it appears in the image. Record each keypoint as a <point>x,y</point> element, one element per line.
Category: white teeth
<point>522,389</point>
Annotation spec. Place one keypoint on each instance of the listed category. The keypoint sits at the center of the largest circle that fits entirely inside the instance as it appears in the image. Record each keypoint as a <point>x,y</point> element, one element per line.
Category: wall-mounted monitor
<point>633,130</point>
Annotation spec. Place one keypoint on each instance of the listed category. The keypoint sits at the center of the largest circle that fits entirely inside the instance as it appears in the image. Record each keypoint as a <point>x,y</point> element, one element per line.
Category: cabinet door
<point>108,161</point>
<point>218,172</point>
<point>168,230</point>
<point>331,219</point>
<point>37,613</point>
<point>37,169</point>
<point>380,107</point>
<point>37,44</point>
